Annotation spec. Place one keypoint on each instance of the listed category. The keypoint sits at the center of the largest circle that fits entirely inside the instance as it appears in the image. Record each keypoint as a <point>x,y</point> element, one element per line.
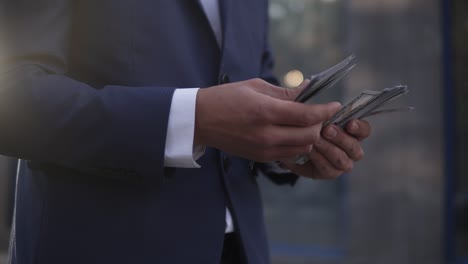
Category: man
<point>92,95</point>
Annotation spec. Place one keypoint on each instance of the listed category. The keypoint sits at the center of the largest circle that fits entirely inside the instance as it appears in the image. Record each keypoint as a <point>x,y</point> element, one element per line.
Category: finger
<point>296,114</point>
<point>288,94</point>
<point>324,167</point>
<point>299,89</point>
<point>280,153</point>
<point>359,129</point>
<point>317,168</point>
<point>307,170</point>
<point>292,135</point>
<point>337,157</point>
<point>303,84</point>
<point>344,141</point>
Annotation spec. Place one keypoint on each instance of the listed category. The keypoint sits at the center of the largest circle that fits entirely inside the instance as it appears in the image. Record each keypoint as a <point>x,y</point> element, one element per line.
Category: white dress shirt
<point>180,151</point>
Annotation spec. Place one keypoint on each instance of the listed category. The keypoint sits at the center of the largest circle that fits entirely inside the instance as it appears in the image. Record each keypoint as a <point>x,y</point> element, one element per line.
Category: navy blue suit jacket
<point>85,91</point>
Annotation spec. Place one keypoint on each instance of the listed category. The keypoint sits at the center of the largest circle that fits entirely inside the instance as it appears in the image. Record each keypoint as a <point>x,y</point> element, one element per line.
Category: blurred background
<point>407,201</point>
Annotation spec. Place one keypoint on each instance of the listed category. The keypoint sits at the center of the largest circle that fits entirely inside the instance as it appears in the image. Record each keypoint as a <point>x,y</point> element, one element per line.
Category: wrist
<point>198,139</point>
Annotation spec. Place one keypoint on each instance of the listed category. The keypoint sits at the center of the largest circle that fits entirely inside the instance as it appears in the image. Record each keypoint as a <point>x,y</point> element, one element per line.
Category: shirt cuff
<point>180,151</point>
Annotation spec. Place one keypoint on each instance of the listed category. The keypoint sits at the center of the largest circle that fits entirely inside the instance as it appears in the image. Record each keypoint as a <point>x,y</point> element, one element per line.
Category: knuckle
<point>365,130</point>
<point>360,154</point>
<point>252,137</point>
<point>344,163</point>
<point>259,82</point>
<point>365,125</point>
<point>349,166</point>
<point>315,138</point>
<point>352,148</point>
<point>288,93</point>
<point>310,118</point>
<point>267,140</point>
<point>260,113</point>
<point>323,169</point>
<point>332,174</point>
<point>341,163</point>
<point>319,143</point>
<point>342,138</point>
<point>255,141</point>
<point>356,151</point>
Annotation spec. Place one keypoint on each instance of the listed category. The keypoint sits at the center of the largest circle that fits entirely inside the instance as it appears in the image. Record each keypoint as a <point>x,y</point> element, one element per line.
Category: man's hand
<point>335,152</point>
<point>258,121</point>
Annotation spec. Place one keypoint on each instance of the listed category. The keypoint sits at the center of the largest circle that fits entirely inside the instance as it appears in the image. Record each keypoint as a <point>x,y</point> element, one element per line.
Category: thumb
<point>281,93</point>
<point>332,108</point>
<point>297,114</point>
<point>323,112</point>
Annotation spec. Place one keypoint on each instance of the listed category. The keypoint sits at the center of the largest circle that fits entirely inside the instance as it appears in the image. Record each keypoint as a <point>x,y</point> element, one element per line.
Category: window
<point>390,208</point>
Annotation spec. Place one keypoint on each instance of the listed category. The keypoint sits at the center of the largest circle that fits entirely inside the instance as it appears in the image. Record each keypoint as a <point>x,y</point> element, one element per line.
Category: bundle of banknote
<point>368,103</point>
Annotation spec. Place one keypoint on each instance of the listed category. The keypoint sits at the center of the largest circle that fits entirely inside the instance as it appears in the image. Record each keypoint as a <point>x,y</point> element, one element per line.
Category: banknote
<point>367,103</point>
<point>325,79</point>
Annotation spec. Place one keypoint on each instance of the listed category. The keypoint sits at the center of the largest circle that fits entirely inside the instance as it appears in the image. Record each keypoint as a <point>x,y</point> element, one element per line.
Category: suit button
<point>224,79</point>
<point>226,163</point>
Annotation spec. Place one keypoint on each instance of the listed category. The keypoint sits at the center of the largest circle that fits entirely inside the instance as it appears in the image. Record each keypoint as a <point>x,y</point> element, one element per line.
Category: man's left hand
<point>336,151</point>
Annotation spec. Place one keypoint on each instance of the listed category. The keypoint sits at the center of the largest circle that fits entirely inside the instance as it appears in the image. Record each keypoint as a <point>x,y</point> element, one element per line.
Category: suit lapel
<point>224,8</point>
<point>222,15</point>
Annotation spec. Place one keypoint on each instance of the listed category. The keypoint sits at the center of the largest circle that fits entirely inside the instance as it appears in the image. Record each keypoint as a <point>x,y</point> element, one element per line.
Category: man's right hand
<point>258,121</point>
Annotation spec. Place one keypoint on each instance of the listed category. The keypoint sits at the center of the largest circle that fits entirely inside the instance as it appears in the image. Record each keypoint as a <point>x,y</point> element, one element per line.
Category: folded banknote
<point>367,103</point>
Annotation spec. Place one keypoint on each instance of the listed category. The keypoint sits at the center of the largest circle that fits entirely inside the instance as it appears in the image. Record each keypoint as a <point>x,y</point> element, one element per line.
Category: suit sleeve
<point>50,118</point>
<point>271,170</point>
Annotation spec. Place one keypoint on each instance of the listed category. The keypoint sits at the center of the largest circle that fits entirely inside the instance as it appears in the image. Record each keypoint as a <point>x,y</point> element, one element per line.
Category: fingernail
<point>311,147</point>
<point>337,105</point>
<point>330,132</point>
<point>354,126</point>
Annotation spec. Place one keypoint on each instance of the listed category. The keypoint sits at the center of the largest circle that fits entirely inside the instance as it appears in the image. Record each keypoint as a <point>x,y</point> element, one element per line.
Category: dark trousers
<point>232,250</point>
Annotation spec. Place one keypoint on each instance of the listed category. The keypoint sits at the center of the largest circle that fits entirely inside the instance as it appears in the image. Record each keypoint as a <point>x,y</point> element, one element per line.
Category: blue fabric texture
<point>85,92</point>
